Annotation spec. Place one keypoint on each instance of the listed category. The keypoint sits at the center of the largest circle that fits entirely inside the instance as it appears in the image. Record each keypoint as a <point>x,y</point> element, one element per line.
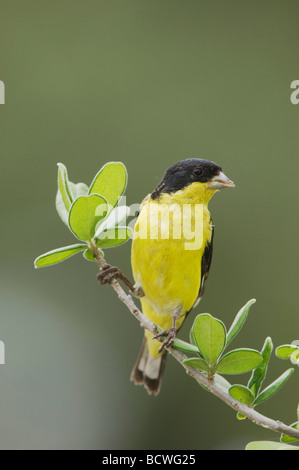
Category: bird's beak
<point>220,181</point>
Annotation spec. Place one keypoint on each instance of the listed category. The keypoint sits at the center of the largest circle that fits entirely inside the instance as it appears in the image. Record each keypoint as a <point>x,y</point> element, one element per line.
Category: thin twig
<point>209,384</point>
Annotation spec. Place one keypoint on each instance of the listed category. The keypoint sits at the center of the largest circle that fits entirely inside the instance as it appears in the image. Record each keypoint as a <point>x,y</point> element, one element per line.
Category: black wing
<point>205,268</point>
<point>205,265</point>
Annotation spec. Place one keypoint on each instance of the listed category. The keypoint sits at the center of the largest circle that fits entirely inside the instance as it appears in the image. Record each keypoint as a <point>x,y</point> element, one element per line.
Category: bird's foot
<point>137,291</point>
<point>108,274</point>
<point>170,337</point>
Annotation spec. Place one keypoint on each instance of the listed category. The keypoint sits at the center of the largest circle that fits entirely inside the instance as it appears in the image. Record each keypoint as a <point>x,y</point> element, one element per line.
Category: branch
<point>208,383</point>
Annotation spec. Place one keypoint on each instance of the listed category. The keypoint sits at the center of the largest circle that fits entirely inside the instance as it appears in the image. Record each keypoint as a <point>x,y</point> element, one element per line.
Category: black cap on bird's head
<point>193,170</point>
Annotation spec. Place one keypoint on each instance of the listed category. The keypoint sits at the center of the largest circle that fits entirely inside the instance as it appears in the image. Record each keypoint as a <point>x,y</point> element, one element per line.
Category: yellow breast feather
<point>163,264</point>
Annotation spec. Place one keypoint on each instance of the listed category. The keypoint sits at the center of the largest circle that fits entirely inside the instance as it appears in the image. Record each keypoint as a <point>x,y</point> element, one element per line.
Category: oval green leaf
<point>242,394</point>
<point>259,373</point>
<point>114,237</point>
<point>210,337</point>
<point>110,182</point>
<point>239,361</point>
<point>285,438</point>
<point>197,363</point>
<point>285,351</point>
<point>58,255</point>
<point>88,255</point>
<point>273,387</point>
<point>85,213</point>
<point>184,346</point>
<point>76,190</point>
<point>269,445</point>
<point>239,321</point>
<point>63,186</point>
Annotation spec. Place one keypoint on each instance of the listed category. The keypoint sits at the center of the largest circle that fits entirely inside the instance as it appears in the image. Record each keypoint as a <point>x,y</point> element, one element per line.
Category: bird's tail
<point>148,370</point>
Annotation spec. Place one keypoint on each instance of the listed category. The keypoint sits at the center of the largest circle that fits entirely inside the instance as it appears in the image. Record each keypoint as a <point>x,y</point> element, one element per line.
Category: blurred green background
<point>148,83</point>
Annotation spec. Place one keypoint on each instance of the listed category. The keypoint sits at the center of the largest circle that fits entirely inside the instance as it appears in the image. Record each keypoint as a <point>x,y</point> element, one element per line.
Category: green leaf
<point>239,361</point>
<point>222,382</point>
<point>192,338</point>
<point>273,387</point>
<point>110,182</point>
<point>60,207</point>
<point>259,373</point>
<point>183,346</point>
<point>239,321</point>
<point>88,255</point>
<point>287,351</point>
<point>78,189</point>
<point>197,363</point>
<point>269,445</point>
<point>285,438</point>
<point>58,255</point>
<point>114,237</point>
<point>242,394</point>
<point>63,186</point>
<point>67,192</point>
<point>85,213</point>
<point>210,336</point>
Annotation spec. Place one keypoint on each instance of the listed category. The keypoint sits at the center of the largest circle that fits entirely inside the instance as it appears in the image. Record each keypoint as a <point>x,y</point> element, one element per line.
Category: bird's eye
<point>198,171</point>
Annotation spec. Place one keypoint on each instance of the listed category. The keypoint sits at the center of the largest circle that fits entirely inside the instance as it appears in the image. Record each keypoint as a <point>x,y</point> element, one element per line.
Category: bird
<point>171,257</point>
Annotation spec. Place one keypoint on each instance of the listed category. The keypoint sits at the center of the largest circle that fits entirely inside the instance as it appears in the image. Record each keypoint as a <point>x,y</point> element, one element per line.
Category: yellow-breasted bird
<point>171,256</point>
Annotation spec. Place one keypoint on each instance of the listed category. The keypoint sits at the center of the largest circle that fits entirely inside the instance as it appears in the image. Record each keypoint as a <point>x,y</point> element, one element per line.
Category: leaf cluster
<point>92,213</point>
<point>209,339</point>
